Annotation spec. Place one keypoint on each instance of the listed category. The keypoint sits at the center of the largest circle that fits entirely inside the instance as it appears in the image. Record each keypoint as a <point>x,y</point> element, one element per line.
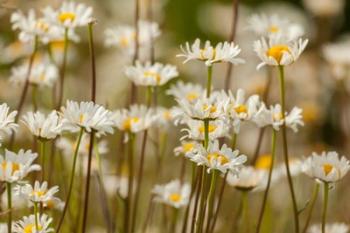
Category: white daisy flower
<point>151,74</point>
<point>187,147</point>
<point>326,167</point>
<point>189,91</point>
<point>69,15</point>
<point>273,117</point>
<point>37,193</point>
<point>273,25</point>
<point>325,8</point>
<point>7,121</point>
<point>124,36</point>
<point>87,115</point>
<point>248,178</point>
<point>44,127</point>
<point>27,224</point>
<point>330,228</point>
<point>222,52</point>
<point>15,50</point>
<point>337,55</point>
<point>277,51</point>
<point>165,117</point>
<point>15,166</point>
<point>173,193</point>
<point>195,130</point>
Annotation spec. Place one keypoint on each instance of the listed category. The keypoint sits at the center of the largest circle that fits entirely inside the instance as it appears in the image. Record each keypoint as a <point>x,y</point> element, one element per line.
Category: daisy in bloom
<point>7,121</point>
<point>189,91</point>
<point>37,193</point>
<point>165,116</point>
<point>336,55</point>
<point>277,51</point>
<point>44,127</point>
<point>326,167</point>
<point>173,193</point>
<point>87,115</point>
<point>273,117</point>
<point>69,15</point>
<point>196,130</point>
<point>273,25</point>
<point>151,74</point>
<point>248,179</point>
<point>15,166</point>
<point>325,8</point>
<point>187,147</point>
<point>27,224</point>
<point>330,228</point>
<point>43,74</point>
<point>222,52</point>
<point>223,159</point>
<point>124,36</point>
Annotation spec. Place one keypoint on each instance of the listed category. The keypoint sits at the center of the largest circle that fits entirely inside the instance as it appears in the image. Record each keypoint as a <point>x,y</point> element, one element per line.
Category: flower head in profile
<point>248,179</point>
<point>15,166</point>
<point>149,74</point>
<point>173,193</point>
<point>43,127</point>
<point>27,224</point>
<point>7,121</point>
<point>196,130</point>
<point>87,115</point>
<point>209,54</point>
<point>330,228</point>
<point>37,193</point>
<point>189,91</point>
<point>326,167</point>
<point>278,51</point>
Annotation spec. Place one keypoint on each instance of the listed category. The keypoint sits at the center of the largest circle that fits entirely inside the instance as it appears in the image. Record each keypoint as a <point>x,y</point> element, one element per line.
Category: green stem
<point>42,154</point>
<point>34,95</point>
<point>211,197</point>
<point>9,206</point>
<point>245,213</point>
<point>206,133</point>
<point>71,181</point>
<point>203,199</point>
<point>63,68</point>
<point>128,201</point>
<point>36,216</point>
<point>174,220</point>
<point>234,141</point>
<point>210,74</point>
<point>325,204</point>
<point>285,149</point>
<point>312,204</point>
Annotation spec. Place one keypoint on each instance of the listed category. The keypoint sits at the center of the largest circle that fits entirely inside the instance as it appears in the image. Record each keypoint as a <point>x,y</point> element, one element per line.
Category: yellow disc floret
<point>277,52</point>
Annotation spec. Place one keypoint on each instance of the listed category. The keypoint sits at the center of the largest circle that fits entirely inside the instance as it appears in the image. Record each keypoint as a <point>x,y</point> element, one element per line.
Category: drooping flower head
<point>173,193</point>
<point>7,121</point>
<point>27,224</point>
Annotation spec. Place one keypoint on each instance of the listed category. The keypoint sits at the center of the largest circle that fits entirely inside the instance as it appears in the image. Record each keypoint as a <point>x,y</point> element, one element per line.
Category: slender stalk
<point>285,149</point>
<point>193,187</point>
<point>93,62</point>
<point>266,193</point>
<point>211,198</point>
<point>128,201</point>
<point>9,206</point>
<point>201,170</point>
<point>312,204</point>
<point>325,205</point>
<point>203,199</point>
<point>42,154</point>
<point>209,80</point>
<point>63,69</point>
<point>206,133</point>
<point>245,213</point>
<point>71,181</point>
<point>133,88</point>
<point>36,216</point>
<point>174,220</point>
<point>34,97</point>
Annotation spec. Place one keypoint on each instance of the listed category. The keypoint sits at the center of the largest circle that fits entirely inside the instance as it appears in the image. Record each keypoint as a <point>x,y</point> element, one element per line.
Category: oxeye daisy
<point>173,193</point>
<point>196,130</point>
<point>43,127</point>
<point>7,121</point>
<point>165,117</point>
<point>187,147</point>
<point>189,91</point>
<point>327,167</point>
<point>15,166</point>
<point>248,179</point>
<point>87,115</point>
<point>28,224</point>
<point>151,74</point>
<point>39,193</point>
<point>222,52</point>
<point>277,51</point>
<point>330,228</point>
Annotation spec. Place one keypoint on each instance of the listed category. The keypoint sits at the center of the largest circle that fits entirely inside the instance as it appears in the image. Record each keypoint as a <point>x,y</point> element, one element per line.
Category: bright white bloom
<point>173,193</point>
<point>330,228</point>
<point>44,127</point>
<point>222,52</point>
<point>165,117</point>
<point>43,74</point>
<point>69,15</point>
<point>326,167</point>
<point>196,131</point>
<point>7,121</point>
<point>189,91</point>
<point>325,8</point>
<point>247,179</point>
<point>27,224</point>
<point>273,25</point>
<point>15,166</point>
<point>223,159</point>
<point>337,55</point>
<point>124,36</point>
<point>89,116</point>
<point>273,117</point>
<point>277,51</point>
<point>38,192</point>
<point>187,147</point>
<point>151,74</point>
<point>68,146</point>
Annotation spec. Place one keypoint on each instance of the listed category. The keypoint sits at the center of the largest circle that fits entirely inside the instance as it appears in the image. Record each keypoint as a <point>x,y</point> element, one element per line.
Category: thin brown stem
<point>63,69</point>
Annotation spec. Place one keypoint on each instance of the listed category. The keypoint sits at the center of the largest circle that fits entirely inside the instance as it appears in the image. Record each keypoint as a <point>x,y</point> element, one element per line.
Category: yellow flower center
<point>192,96</point>
<point>274,29</point>
<point>211,108</point>
<point>15,167</point>
<point>175,197</point>
<point>264,162</point>
<point>64,16</point>
<point>30,228</point>
<point>241,109</point>
<point>202,56</point>
<point>327,168</point>
<point>57,45</point>
<point>38,193</point>
<point>211,128</point>
<point>41,25</point>
<point>81,118</point>
<point>129,121</point>
<point>277,52</point>
<point>219,157</point>
<point>151,74</point>
<point>167,115</point>
<point>187,147</point>
<point>16,47</point>
<point>277,116</point>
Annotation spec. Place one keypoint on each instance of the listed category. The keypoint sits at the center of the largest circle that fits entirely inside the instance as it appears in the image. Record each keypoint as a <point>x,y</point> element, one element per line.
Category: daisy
<point>44,127</point>
<point>326,167</point>
<point>15,166</point>
<point>27,224</point>
<point>189,91</point>
<point>7,121</point>
<point>248,179</point>
<point>195,130</point>
<point>38,193</point>
<point>87,115</point>
<point>277,51</point>
<point>165,117</point>
<point>330,228</point>
<point>187,147</point>
<point>222,52</point>
<point>151,74</point>
<point>173,193</point>
<point>15,50</point>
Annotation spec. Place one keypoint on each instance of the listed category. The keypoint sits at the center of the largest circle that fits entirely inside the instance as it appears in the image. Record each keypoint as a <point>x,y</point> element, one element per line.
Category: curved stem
<point>42,154</point>
<point>63,68</point>
<point>262,211</point>
<point>9,207</point>
<point>285,149</point>
<point>312,204</point>
<point>71,181</point>
<point>209,80</point>
<point>211,197</point>
<point>325,205</point>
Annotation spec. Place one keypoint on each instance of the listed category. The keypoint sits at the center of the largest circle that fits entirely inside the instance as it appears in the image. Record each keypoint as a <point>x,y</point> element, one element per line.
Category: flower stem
<point>285,149</point>
<point>194,180</point>
<point>262,211</point>
<point>312,204</point>
<point>42,154</point>
<point>9,206</point>
<point>63,68</point>
<point>211,198</point>
<point>71,181</point>
<point>245,213</point>
<point>210,74</point>
<point>93,65</point>
<point>174,220</point>
<point>128,201</point>
<point>36,216</point>
<point>34,95</point>
<point>325,204</point>
<point>203,199</point>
